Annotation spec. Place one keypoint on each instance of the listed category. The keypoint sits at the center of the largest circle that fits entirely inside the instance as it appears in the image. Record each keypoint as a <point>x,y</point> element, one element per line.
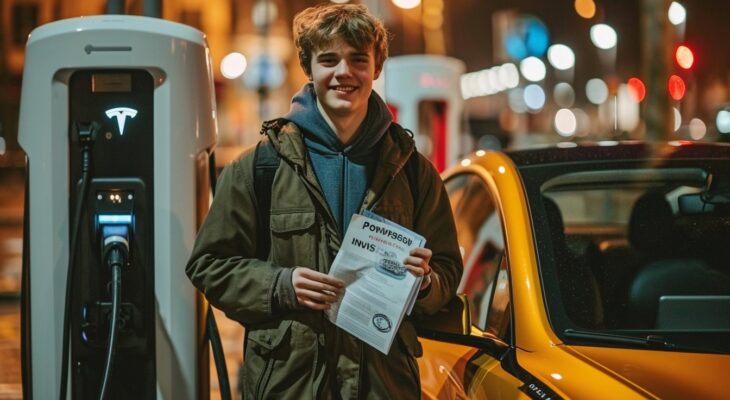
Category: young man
<point>340,154</point>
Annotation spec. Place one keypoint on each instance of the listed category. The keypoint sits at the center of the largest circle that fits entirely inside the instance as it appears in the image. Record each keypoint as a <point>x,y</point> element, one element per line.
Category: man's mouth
<point>344,88</point>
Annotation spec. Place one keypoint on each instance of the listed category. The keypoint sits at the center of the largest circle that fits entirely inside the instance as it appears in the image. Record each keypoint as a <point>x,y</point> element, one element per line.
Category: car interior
<point>641,249</point>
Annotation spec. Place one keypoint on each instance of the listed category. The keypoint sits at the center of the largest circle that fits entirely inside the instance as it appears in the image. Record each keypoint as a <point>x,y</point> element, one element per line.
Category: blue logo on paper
<point>382,323</point>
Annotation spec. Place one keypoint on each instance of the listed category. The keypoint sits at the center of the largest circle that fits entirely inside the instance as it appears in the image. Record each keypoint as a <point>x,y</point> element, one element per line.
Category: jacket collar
<point>288,141</point>
<point>396,147</point>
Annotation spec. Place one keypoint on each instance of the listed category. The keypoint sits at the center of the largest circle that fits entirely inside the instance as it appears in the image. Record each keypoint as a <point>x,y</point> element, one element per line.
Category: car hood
<point>664,374</point>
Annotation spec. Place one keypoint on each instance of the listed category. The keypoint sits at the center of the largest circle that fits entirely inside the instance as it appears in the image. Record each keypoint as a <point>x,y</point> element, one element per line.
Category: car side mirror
<point>454,317</point>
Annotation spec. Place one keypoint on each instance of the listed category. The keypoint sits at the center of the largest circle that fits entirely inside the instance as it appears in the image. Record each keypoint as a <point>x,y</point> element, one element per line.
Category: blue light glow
<point>114,219</point>
<point>537,38</point>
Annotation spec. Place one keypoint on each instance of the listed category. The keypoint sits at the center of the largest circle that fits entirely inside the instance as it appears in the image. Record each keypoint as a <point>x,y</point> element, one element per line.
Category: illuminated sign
<point>121,114</point>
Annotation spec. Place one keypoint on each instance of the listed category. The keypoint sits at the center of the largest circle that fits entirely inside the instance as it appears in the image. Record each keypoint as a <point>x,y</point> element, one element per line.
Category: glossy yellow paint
<point>444,369</point>
<point>500,174</point>
<point>570,371</point>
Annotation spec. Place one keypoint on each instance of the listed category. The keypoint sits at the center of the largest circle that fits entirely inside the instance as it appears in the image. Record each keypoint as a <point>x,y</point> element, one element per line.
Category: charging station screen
<point>111,83</point>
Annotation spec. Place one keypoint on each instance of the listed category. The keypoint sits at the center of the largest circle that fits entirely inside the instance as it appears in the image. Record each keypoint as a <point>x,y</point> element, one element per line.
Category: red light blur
<point>684,56</point>
<point>637,89</point>
<point>676,87</point>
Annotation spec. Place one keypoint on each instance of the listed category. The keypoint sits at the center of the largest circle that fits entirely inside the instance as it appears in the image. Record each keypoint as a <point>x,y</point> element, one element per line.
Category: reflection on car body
<point>590,272</point>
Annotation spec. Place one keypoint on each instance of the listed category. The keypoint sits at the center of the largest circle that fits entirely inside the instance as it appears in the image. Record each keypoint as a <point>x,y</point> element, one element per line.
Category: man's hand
<point>316,290</point>
<point>417,263</point>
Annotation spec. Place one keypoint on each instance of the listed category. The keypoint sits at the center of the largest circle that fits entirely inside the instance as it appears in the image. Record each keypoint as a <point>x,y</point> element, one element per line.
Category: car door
<point>475,366</point>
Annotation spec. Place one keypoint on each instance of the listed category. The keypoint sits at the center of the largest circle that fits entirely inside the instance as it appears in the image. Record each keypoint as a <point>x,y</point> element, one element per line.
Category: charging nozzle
<point>85,132</point>
<point>115,236</point>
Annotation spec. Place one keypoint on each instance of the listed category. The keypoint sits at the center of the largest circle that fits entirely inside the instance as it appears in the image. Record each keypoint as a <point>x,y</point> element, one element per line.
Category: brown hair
<point>318,26</point>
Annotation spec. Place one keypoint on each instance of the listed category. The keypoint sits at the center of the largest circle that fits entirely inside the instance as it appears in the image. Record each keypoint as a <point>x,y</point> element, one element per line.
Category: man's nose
<point>342,68</point>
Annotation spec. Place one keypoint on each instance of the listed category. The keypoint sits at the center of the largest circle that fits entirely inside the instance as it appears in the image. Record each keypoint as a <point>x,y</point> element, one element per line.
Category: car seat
<point>578,288</point>
<point>666,269</point>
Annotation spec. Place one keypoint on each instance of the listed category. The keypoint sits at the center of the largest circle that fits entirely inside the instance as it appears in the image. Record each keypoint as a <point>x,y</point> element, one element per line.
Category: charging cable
<point>85,135</point>
<point>115,252</point>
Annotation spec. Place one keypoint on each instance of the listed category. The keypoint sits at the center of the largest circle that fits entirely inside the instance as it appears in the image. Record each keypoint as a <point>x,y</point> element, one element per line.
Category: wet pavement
<point>11,240</point>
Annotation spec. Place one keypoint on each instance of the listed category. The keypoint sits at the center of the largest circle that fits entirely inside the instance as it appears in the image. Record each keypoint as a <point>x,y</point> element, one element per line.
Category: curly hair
<point>317,27</point>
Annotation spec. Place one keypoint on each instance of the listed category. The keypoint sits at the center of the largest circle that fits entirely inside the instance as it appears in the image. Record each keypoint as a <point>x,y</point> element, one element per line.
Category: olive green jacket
<point>291,351</point>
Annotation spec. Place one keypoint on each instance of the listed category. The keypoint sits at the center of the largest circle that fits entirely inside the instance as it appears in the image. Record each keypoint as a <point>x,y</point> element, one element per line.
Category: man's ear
<point>377,72</point>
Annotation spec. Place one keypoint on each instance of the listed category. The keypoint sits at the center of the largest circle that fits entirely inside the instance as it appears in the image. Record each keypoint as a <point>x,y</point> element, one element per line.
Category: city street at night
<point>432,199</point>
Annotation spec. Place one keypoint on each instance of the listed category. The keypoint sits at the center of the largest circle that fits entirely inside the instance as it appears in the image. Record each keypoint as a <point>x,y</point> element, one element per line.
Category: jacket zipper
<point>264,379</point>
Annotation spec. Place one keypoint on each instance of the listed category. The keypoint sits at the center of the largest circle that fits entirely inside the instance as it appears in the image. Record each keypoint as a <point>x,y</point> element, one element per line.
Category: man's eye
<point>328,61</point>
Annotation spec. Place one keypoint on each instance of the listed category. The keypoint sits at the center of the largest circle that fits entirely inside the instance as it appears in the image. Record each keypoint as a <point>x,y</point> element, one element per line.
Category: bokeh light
<point>233,65</point>
<point>637,90</point>
<point>516,100</point>
<point>677,14</point>
<point>407,4</point>
<point>684,56</point>
<point>677,119</point>
<point>509,75</point>
<point>534,97</point>
<point>537,37</point>
<point>676,87</point>
<point>603,36</point>
<point>564,95</point>
<point>565,122</point>
<point>723,121</point>
<point>697,129</point>
<point>561,56</point>
<point>596,91</point>
<point>585,8</point>
<point>533,69</point>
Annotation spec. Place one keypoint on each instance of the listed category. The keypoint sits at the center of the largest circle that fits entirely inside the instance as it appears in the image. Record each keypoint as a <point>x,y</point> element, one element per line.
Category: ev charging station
<point>118,121</point>
<point>424,94</point>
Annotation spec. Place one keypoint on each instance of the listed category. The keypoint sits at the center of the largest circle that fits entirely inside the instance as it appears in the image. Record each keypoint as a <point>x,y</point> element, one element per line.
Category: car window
<point>481,239</point>
<point>635,248</point>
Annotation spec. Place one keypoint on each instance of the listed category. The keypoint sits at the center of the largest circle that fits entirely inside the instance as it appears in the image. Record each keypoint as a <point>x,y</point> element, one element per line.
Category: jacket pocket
<point>293,237</point>
<point>260,358</point>
<point>279,361</point>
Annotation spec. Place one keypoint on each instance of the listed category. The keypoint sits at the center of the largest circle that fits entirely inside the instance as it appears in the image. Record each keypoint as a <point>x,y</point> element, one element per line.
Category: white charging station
<point>424,94</point>
<point>146,87</point>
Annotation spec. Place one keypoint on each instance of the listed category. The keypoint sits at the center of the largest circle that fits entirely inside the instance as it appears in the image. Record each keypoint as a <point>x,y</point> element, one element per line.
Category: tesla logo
<point>121,114</point>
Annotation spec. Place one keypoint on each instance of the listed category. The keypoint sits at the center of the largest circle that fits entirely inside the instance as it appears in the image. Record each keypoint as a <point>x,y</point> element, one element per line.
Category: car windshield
<point>635,253</point>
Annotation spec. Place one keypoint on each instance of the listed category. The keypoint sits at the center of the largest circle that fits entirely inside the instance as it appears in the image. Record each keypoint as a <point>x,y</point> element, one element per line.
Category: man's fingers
<point>318,286</point>
<point>414,261</point>
<point>320,277</point>
<point>314,305</point>
<point>317,296</point>
<point>417,271</point>
<point>422,253</point>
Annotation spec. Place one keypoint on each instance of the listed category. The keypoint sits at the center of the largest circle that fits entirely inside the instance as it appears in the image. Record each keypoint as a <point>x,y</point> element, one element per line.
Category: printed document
<point>379,290</point>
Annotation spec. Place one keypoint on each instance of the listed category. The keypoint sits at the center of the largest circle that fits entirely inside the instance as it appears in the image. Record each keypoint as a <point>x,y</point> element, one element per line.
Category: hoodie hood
<point>306,115</point>
<point>343,171</point>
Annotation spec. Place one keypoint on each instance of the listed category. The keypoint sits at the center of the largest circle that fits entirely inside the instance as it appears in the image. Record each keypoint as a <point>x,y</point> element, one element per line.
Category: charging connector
<point>115,252</point>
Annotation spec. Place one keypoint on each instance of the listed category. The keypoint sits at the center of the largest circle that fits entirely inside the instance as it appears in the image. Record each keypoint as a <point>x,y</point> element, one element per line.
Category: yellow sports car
<point>590,271</point>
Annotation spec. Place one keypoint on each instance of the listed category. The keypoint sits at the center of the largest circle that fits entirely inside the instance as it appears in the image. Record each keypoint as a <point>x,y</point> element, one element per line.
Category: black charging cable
<point>211,328</point>
<point>85,135</point>
<point>116,251</point>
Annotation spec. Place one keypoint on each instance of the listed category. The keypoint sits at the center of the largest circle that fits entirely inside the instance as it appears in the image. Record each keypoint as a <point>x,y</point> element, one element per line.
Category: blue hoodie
<point>343,171</point>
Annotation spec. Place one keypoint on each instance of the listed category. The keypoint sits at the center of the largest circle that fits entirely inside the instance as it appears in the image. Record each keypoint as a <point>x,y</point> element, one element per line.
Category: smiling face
<point>343,78</point>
